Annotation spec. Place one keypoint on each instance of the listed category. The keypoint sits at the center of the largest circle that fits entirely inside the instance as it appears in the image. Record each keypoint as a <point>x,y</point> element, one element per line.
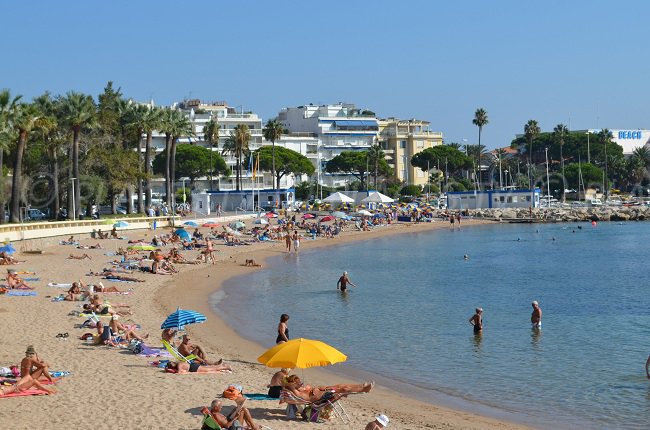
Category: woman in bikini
<point>24,384</point>
<point>195,367</point>
<point>313,394</point>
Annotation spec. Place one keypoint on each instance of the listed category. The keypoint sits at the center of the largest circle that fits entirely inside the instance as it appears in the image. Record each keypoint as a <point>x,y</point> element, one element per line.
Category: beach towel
<point>117,280</point>
<point>30,392</point>
<point>56,284</point>
<point>150,351</point>
<point>124,293</point>
<point>59,374</point>
<point>259,396</point>
<point>21,293</point>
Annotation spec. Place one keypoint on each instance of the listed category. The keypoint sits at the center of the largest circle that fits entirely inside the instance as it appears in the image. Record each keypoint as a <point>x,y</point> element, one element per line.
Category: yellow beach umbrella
<point>301,353</point>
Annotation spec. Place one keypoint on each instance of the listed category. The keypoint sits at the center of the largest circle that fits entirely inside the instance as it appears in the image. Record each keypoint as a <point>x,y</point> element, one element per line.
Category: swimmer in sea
<point>343,282</point>
<point>466,257</point>
<point>477,321</point>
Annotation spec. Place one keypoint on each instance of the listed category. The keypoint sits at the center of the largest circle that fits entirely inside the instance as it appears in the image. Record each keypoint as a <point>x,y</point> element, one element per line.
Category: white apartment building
<point>333,129</point>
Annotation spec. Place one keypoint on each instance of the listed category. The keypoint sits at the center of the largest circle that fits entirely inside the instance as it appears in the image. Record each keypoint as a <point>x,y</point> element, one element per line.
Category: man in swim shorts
<point>477,321</point>
<point>343,282</point>
<point>536,317</point>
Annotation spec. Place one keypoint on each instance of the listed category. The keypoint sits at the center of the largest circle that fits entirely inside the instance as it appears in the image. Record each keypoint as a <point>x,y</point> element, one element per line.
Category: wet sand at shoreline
<point>111,388</point>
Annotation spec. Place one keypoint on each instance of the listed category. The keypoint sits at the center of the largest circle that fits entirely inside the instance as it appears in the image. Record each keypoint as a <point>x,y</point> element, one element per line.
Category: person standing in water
<point>343,282</point>
<point>283,329</point>
<point>477,321</point>
<point>536,317</point>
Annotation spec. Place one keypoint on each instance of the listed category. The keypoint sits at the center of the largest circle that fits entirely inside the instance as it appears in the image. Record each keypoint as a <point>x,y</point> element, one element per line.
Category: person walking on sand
<point>536,317</point>
<point>296,241</point>
<point>477,321</point>
<point>283,330</point>
<point>343,282</point>
<point>379,423</point>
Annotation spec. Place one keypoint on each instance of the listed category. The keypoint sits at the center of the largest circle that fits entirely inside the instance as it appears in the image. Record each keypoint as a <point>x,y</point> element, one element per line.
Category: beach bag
<point>135,346</point>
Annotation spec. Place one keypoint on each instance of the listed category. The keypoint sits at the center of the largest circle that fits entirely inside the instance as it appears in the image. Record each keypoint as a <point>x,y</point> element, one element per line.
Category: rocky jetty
<point>600,213</point>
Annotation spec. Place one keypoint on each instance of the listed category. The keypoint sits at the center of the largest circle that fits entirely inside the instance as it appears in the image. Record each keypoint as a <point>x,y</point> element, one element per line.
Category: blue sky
<point>577,62</point>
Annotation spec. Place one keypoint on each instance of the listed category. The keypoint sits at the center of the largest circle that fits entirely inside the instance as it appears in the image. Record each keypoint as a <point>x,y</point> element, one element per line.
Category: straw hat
<point>30,350</point>
<point>382,419</point>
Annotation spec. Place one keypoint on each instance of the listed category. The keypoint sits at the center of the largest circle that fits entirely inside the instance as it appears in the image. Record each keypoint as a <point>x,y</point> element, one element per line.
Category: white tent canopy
<point>338,198</point>
<point>377,197</point>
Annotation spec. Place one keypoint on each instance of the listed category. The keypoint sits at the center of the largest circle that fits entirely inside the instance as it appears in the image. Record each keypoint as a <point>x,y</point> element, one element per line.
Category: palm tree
<point>559,132</point>
<point>149,121</point>
<point>531,131</point>
<point>237,145</point>
<point>77,111</point>
<point>7,106</point>
<point>273,130</point>
<point>52,138</point>
<point>480,119</point>
<point>375,154</point>
<point>167,127</point>
<point>211,135</point>
<point>23,119</point>
<point>180,126</point>
<point>605,137</point>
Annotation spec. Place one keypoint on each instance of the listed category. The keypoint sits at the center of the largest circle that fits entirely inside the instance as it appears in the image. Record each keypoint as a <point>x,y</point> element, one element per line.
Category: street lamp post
<point>588,153</point>
<point>74,206</point>
<point>506,172</point>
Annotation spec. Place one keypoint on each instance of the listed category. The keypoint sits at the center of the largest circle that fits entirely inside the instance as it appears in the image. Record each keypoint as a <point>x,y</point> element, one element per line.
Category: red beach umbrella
<point>308,216</point>
<point>327,218</point>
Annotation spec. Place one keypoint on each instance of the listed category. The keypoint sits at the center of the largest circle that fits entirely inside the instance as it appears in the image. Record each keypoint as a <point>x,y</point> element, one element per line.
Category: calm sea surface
<point>408,319</point>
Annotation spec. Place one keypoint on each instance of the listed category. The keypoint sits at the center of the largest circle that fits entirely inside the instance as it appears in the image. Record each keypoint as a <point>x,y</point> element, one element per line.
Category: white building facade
<point>334,129</point>
<point>631,139</point>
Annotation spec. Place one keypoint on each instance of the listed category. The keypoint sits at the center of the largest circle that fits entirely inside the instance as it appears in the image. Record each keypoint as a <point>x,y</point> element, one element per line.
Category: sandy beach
<point>110,388</point>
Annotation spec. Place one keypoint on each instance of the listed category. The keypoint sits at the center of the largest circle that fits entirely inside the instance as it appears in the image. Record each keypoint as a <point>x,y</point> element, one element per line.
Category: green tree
<point>442,157</point>
<point>531,131</point>
<point>52,138</point>
<point>7,135</point>
<point>592,176</point>
<point>355,163</point>
<point>77,112</point>
<point>375,157</point>
<point>181,127</point>
<point>411,190</point>
<point>286,161</point>
<point>211,135</point>
<point>117,166</point>
<point>193,162</point>
<point>273,131</point>
<point>148,122</point>
<point>480,120</point>
<point>24,118</point>
<point>237,145</point>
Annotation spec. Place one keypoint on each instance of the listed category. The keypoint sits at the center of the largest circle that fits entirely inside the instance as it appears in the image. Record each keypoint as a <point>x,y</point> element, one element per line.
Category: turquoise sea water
<point>408,319</point>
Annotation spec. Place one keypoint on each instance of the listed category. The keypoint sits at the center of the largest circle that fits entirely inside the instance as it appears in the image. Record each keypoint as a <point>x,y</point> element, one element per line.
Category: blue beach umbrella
<point>237,225</point>
<point>191,223</point>
<point>379,216</point>
<point>8,248</point>
<point>181,318</point>
<point>121,224</point>
<point>338,214</point>
<point>183,234</point>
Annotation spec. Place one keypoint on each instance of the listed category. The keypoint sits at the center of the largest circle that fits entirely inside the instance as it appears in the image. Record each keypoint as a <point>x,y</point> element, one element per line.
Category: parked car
<point>35,215</point>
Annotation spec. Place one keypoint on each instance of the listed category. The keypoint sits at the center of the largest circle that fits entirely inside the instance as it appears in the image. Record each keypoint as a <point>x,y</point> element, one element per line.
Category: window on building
<point>527,198</point>
<point>419,143</point>
<point>502,199</point>
<point>420,173</point>
<point>509,199</point>
<point>402,144</point>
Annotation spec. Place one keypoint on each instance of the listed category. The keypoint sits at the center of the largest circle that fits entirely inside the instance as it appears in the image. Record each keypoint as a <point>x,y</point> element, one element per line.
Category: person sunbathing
<point>186,349</point>
<point>234,418</point>
<point>313,394</point>
<point>168,335</point>
<point>195,367</point>
<point>16,283</point>
<point>114,233</point>
<point>127,333</point>
<point>95,246</point>
<point>115,277</point>
<point>157,268</point>
<point>79,257</point>
<point>6,259</point>
<point>24,384</point>
<point>33,366</point>
<point>100,288</point>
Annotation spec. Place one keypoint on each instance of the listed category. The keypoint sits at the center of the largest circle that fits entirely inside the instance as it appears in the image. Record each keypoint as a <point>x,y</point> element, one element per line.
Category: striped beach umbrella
<point>181,318</point>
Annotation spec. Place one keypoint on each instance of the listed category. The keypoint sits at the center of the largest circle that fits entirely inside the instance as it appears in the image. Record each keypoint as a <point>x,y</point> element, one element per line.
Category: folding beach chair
<point>209,423</point>
<point>318,411</point>
<point>177,355</point>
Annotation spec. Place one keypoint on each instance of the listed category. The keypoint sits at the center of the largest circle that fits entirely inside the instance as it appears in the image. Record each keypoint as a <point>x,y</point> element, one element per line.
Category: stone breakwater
<point>600,213</point>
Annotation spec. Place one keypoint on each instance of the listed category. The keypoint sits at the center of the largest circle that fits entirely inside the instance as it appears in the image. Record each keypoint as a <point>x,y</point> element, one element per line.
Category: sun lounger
<point>177,355</point>
<point>318,411</point>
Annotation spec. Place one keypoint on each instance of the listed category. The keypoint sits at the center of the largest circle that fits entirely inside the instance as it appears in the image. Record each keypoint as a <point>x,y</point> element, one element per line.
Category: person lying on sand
<point>24,384</point>
<point>312,394</point>
<point>234,418</point>
<point>187,348</point>
<point>79,257</point>
<point>195,367</point>
<point>33,366</point>
<point>14,282</point>
<point>96,246</point>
